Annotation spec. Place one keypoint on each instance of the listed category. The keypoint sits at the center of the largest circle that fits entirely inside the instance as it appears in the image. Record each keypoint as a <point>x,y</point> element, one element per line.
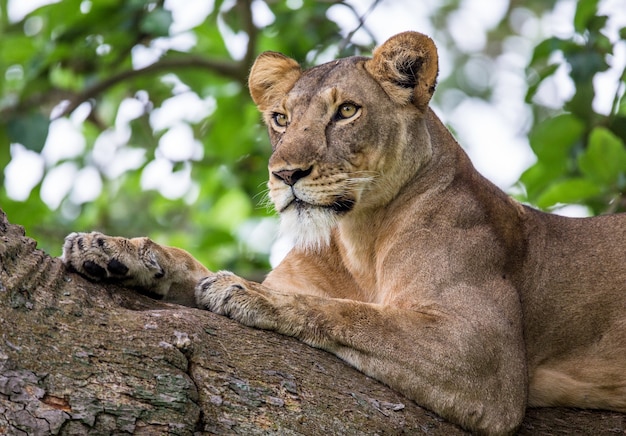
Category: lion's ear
<point>271,77</point>
<point>406,66</point>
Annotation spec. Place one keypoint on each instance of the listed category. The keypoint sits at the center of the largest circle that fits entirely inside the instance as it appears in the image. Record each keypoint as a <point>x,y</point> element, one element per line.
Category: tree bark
<point>83,358</point>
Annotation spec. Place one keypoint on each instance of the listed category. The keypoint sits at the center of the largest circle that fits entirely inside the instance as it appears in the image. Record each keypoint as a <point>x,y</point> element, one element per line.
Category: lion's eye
<point>347,110</point>
<point>280,119</point>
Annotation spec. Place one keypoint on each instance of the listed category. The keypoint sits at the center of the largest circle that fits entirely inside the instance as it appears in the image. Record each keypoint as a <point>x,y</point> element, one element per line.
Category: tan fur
<point>137,262</point>
<point>408,264</point>
<point>268,66</point>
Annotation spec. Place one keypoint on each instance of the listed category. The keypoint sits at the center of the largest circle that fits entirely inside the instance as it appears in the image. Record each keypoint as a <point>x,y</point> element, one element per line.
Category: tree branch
<point>84,358</point>
<point>345,41</point>
<point>233,70</point>
<point>245,13</point>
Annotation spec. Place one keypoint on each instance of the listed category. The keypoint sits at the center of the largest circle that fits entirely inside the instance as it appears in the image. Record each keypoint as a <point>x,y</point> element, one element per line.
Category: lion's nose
<point>290,177</point>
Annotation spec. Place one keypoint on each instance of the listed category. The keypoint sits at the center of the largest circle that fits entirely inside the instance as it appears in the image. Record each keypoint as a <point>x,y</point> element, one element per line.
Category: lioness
<point>408,264</point>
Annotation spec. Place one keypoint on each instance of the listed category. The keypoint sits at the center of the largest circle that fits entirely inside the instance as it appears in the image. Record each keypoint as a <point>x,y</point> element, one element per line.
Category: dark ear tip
<point>407,61</point>
<point>408,71</point>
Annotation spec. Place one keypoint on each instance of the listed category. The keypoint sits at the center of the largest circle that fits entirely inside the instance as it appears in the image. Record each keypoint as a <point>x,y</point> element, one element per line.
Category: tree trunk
<point>83,358</point>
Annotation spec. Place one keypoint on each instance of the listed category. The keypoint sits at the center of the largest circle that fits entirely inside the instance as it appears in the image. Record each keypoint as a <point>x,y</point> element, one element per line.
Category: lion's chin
<point>309,228</point>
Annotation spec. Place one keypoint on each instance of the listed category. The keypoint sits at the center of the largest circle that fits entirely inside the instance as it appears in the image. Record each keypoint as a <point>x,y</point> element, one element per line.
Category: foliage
<point>78,62</point>
<point>77,52</point>
<point>581,154</point>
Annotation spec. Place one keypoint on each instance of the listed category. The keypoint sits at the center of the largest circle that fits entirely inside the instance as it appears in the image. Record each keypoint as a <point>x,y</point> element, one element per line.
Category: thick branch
<point>83,358</point>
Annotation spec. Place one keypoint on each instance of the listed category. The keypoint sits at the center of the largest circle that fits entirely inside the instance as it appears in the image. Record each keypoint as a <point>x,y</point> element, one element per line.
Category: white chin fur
<point>308,228</point>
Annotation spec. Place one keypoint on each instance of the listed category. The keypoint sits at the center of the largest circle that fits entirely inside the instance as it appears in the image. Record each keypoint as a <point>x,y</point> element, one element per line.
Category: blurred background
<point>132,117</point>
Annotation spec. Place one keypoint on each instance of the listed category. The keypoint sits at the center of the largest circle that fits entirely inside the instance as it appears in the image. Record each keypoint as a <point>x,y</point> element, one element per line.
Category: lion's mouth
<point>340,205</point>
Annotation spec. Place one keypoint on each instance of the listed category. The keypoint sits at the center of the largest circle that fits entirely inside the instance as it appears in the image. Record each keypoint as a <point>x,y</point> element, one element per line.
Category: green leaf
<point>604,159</point>
<point>545,48</point>
<point>157,22</point>
<point>585,63</point>
<point>543,74</point>
<point>16,49</point>
<point>539,176</point>
<point>65,79</point>
<point>30,130</point>
<point>552,139</point>
<point>585,11</point>
<point>569,191</point>
<point>596,23</point>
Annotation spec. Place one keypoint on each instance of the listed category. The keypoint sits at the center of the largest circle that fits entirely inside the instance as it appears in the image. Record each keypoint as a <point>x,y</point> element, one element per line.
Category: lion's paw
<point>215,292</point>
<point>100,257</point>
<point>226,294</point>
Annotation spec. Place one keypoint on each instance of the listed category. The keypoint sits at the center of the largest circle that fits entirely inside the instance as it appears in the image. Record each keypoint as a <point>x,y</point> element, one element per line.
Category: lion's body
<point>574,312</point>
<point>408,264</point>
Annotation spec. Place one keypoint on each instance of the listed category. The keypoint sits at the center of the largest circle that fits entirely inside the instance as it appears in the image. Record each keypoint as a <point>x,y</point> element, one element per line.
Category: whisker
<point>263,200</point>
<point>263,193</point>
<point>358,178</point>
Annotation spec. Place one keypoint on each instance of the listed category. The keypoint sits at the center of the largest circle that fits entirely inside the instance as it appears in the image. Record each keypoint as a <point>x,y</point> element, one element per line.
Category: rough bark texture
<point>83,358</point>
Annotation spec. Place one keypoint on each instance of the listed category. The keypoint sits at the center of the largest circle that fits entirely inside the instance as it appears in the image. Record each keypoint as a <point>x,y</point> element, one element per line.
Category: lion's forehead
<point>333,82</point>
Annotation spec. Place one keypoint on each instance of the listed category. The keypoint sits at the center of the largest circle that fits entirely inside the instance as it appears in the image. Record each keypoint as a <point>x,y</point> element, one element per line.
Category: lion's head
<point>346,135</point>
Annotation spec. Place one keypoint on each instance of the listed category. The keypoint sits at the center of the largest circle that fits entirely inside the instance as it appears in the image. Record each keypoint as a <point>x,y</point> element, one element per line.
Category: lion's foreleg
<point>443,362</point>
